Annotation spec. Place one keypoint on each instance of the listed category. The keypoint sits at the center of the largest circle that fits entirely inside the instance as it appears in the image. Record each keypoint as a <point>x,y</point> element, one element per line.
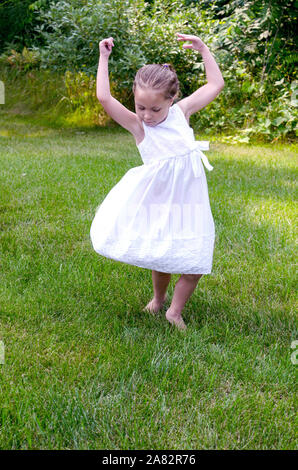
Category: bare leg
<point>183,290</point>
<point>160,285</point>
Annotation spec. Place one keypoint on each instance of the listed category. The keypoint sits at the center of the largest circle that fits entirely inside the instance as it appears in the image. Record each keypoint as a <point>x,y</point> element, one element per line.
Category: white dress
<point>158,215</point>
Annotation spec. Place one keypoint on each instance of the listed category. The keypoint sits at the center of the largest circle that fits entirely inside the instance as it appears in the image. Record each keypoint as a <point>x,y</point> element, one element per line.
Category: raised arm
<point>113,107</point>
<point>215,82</point>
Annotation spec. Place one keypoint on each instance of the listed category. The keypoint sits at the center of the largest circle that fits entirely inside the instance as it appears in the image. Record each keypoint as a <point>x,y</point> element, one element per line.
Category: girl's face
<point>151,106</point>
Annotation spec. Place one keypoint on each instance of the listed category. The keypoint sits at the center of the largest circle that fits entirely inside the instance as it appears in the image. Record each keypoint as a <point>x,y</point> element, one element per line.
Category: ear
<point>174,98</point>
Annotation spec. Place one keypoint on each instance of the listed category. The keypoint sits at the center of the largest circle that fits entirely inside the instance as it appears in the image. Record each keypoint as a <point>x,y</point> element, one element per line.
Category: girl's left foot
<point>175,319</point>
<point>154,306</point>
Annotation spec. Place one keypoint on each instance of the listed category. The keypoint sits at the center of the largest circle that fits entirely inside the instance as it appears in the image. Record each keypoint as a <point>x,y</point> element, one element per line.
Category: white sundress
<point>158,215</point>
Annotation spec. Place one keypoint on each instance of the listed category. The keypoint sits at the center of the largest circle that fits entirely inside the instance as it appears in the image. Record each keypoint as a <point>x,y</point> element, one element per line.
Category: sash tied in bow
<point>196,154</point>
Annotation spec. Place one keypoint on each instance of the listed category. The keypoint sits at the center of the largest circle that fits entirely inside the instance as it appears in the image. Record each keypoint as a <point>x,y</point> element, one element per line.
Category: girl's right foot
<point>154,306</point>
<point>175,319</point>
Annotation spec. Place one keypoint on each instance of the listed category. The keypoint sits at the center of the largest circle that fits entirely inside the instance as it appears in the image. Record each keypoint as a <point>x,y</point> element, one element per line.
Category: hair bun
<point>158,77</point>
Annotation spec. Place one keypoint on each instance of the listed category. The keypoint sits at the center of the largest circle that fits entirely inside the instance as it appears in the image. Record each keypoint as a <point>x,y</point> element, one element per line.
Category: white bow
<point>196,152</point>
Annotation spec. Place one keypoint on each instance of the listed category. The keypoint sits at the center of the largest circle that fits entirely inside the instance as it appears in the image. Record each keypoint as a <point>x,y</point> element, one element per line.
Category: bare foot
<point>175,319</point>
<point>154,306</point>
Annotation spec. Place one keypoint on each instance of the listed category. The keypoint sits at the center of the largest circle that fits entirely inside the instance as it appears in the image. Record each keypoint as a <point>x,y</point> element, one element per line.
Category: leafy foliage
<point>24,61</point>
<point>18,22</point>
<point>82,99</point>
<point>252,41</point>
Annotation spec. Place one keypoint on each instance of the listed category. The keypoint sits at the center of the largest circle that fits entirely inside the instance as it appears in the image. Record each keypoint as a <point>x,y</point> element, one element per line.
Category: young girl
<point>158,215</point>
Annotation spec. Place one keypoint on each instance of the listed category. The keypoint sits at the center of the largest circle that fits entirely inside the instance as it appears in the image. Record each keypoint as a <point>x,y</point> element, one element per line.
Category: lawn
<point>84,367</point>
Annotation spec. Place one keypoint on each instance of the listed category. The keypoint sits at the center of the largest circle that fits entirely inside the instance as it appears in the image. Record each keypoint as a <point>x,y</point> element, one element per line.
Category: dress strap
<point>196,154</point>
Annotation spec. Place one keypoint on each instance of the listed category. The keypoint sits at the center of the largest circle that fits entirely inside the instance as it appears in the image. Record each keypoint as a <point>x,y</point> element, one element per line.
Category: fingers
<point>108,43</point>
<point>105,46</point>
<point>186,37</point>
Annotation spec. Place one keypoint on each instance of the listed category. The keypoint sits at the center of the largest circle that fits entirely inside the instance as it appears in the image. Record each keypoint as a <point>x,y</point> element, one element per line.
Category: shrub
<point>26,60</point>
<point>257,100</point>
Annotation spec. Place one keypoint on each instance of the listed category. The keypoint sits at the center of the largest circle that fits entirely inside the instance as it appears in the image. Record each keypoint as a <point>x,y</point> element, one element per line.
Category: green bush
<point>260,84</point>
<point>18,22</point>
<point>80,94</point>
<point>24,61</point>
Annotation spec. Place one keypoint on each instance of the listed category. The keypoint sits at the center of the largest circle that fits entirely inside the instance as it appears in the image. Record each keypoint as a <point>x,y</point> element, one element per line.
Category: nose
<point>147,116</point>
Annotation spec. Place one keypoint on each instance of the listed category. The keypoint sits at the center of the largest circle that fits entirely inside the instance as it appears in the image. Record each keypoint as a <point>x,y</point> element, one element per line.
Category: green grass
<point>84,367</point>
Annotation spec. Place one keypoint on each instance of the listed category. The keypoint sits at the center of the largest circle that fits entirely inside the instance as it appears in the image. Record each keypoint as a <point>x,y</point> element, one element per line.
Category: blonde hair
<point>158,77</point>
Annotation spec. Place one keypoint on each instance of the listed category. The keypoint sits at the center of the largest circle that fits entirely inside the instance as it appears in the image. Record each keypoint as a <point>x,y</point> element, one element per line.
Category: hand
<point>196,43</point>
<point>105,47</point>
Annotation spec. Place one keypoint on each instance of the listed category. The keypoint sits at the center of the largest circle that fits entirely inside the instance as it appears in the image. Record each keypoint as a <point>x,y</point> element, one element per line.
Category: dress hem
<point>155,268</point>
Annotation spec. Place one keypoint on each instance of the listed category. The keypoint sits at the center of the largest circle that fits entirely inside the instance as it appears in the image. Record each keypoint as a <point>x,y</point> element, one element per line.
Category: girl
<point>158,215</point>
